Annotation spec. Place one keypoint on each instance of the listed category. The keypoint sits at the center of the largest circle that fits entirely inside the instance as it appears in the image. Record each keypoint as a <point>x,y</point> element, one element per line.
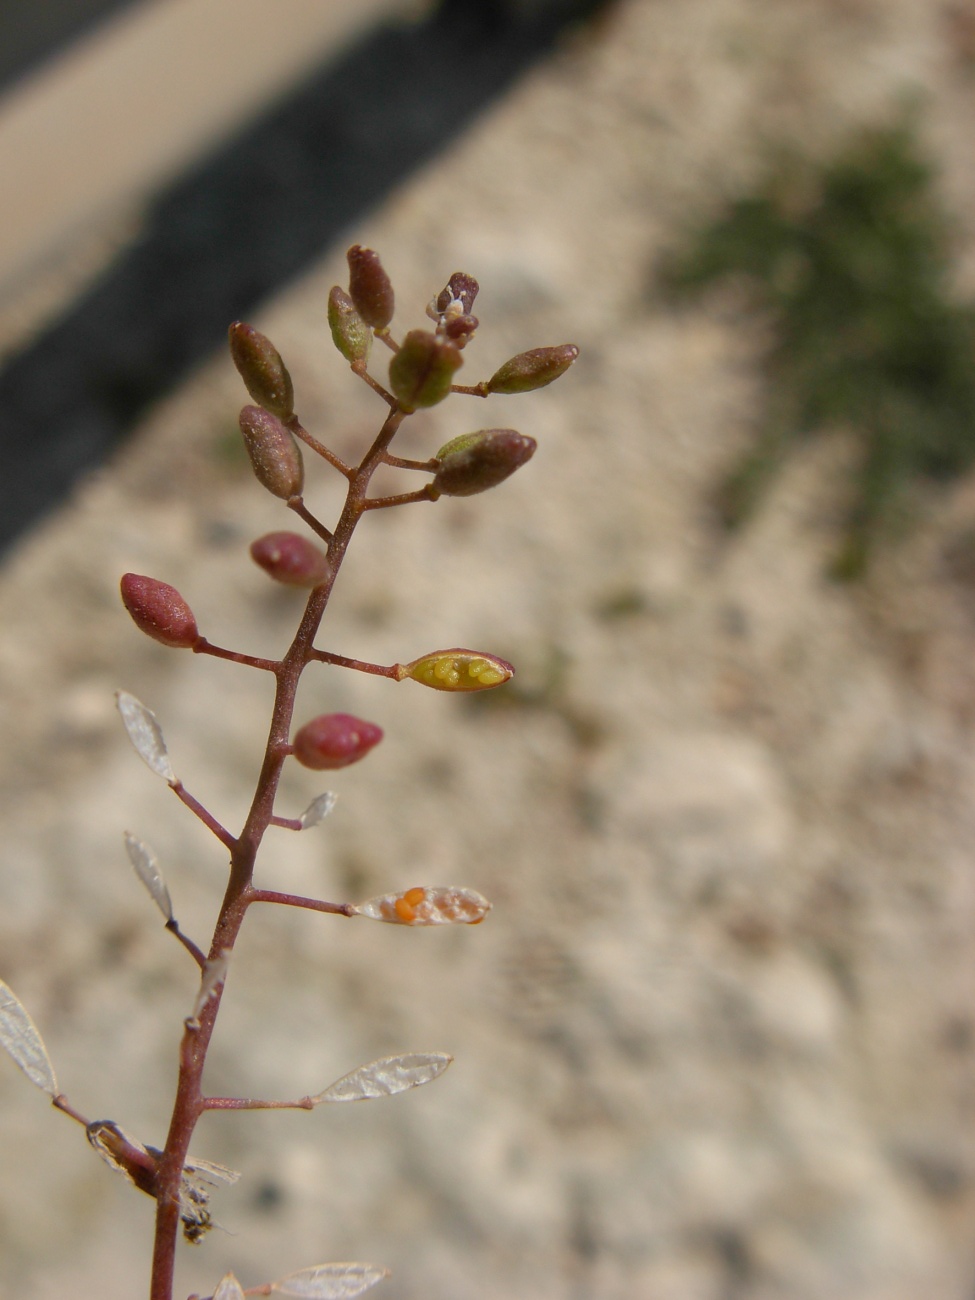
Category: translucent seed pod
<point>459,670</point>
<point>159,610</point>
<point>334,740</point>
<point>260,366</point>
<point>274,454</point>
<point>530,370</point>
<point>290,558</point>
<point>421,372</point>
<point>350,333</point>
<point>475,462</point>
<point>369,287</point>
<point>428,905</point>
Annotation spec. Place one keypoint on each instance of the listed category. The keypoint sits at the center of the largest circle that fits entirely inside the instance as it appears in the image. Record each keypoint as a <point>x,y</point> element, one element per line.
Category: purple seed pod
<point>369,287</point>
<point>421,372</point>
<point>274,453</point>
<point>334,740</point>
<point>474,462</point>
<point>530,370</point>
<point>350,333</point>
<point>159,610</point>
<point>291,559</point>
<point>260,366</point>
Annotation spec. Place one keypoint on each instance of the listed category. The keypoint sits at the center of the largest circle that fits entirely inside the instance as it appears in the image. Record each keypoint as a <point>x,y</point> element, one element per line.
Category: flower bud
<point>369,287</point>
<point>421,372</point>
<point>475,462</point>
<point>350,333</point>
<point>159,610</point>
<point>334,740</point>
<point>290,558</point>
<point>460,329</point>
<point>260,366</point>
<point>461,288</point>
<point>530,370</point>
<point>459,670</point>
<point>275,455</point>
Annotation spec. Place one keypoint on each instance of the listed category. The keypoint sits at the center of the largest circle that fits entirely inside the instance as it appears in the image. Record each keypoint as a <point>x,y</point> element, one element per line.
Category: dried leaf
<point>229,1289</point>
<point>214,974</point>
<point>387,1076</point>
<point>330,1281</point>
<point>145,734</point>
<point>20,1038</point>
<point>428,905</point>
<point>146,866</point>
<point>318,810</point>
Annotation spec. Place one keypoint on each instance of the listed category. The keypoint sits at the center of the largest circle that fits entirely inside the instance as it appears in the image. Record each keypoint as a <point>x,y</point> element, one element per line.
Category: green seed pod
<point>260,366</point>
<point>350,333</point>
<point>474,462</point>
<point>369,287</point>
<point>530,370</point>
<point>159,610</point>
<point>275,455</point>
<point>459,670</point>
<point>421,372</point>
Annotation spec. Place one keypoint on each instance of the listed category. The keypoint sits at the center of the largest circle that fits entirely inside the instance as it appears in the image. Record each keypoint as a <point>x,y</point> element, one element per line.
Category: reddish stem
<point>190,1103</point>
<point>203,647</point>
<point>205,816</point>
<point>298,900</point>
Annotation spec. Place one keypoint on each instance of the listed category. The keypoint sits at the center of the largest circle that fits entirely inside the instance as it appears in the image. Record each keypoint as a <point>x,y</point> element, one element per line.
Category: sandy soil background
<point>717,1040</point>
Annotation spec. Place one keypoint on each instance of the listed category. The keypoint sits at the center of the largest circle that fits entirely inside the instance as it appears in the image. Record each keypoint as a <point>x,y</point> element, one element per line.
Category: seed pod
<point>459,670</point>
<point>290,558</point>
<point>421,372</point>
<point>461,288</point>
<point>369,287</point>
<point>530,370</point>
<point>460,329</point>
<point>275,455</point>
<point>262,370</point>
<point>350,333</point>
<point>334,740</point>
<point>475,462</point>
<point>159,610</point>
<point>427,905</point>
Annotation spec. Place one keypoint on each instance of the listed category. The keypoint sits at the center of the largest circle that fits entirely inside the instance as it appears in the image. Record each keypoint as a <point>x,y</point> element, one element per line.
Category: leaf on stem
<point>427,905</point>
<point>330,1281</point>
<point>229,1289</point>
<point>146,866</point>
<point>214,974</point>
<point>20,1039</point>
<point>318,810</point>
<point>145,734</point>
<point>386,1077</point>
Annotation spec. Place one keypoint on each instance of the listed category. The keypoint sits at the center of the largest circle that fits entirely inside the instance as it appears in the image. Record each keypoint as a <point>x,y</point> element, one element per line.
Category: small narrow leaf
<point>318,810</point>
<point>146,736</point>
<point>386,1077</point>
<point>428,905</point>
<point>330,1281</point>
<point>146,866</point>
<point>229,1289</point>
<point>19,1037</point>
<point>214,974</point>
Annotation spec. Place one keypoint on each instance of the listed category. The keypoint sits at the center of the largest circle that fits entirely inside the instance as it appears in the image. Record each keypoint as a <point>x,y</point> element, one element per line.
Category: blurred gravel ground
<point>716,1041</point>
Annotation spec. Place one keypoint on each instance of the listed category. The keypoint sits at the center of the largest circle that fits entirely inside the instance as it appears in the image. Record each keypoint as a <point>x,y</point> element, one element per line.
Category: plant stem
<point>189,1102</point>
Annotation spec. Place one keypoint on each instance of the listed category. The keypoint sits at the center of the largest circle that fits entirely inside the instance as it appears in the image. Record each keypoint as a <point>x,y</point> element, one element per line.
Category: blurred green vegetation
<point>852,263</point>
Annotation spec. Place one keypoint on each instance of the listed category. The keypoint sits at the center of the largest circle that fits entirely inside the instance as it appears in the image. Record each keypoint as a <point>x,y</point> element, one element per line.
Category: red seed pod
<point>474,462</point>
<point>334,740</point>
<point>260,366</point>
<point>530,370</point>
<point>274,453</point>
<point>460,329</point>
<point>159,610</point>
<point>369,287</point>
<point>461,288</point>
<point>291,559</point>
<point>350,333</point>
<point>421,372</point>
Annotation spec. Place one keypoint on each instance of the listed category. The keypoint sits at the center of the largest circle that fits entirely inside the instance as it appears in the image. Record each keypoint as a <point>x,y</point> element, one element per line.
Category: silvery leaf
<point>145,734</point>
<point>146,867</point>
<point>19,1037</point>
<point>386,1077</point>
